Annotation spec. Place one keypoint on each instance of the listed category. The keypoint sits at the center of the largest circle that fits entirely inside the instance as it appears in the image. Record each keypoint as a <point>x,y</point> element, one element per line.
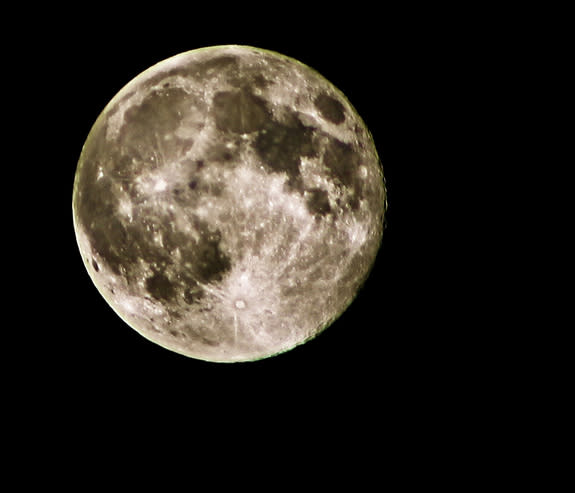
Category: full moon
<point>228,203</point>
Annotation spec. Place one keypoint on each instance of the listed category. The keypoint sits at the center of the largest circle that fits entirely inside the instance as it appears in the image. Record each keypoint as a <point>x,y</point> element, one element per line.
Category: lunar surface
<point>228,203</point>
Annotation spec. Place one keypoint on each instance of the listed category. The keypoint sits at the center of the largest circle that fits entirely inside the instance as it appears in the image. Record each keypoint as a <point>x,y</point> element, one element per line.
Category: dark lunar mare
<point>123,244</point>
<point>281,145</point>
<point>239,111</point>
<point>318,201</point>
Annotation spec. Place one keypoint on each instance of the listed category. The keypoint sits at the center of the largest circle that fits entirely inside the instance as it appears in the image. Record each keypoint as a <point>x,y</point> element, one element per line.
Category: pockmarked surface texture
<point>228,203</point>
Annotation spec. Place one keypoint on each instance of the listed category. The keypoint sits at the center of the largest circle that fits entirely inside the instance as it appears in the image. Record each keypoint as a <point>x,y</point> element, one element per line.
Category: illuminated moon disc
<point>228,203</point>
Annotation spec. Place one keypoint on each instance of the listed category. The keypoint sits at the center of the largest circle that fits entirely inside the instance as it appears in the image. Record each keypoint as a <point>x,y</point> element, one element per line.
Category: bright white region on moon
<point>228,203</point>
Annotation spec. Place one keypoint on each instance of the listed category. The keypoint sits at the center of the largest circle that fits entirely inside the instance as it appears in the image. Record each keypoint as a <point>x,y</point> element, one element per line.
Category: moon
<point>228,203</point>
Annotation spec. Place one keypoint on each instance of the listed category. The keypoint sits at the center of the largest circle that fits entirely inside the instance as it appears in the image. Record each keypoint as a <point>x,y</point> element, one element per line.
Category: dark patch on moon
<point>139,245</point>
<point>318,201</point>
<point>108,237</point>
<point>281,146</point>
<point>122,246</point>
<point>211,262</point>
<point>342,161</point>
<point>239,111</point>
<point>330,108</point>
<point>160,114</point>
<point>160,287</point>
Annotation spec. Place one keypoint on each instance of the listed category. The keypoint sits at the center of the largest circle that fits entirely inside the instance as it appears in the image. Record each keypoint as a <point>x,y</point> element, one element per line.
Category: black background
<point>396,351</point>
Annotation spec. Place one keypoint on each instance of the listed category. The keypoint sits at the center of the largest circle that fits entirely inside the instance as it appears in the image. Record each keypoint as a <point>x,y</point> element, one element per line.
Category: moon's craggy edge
<point>165,147</point>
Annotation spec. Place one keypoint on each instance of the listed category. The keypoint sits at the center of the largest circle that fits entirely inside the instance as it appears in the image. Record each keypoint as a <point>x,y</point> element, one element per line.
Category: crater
<point>330,108</point>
